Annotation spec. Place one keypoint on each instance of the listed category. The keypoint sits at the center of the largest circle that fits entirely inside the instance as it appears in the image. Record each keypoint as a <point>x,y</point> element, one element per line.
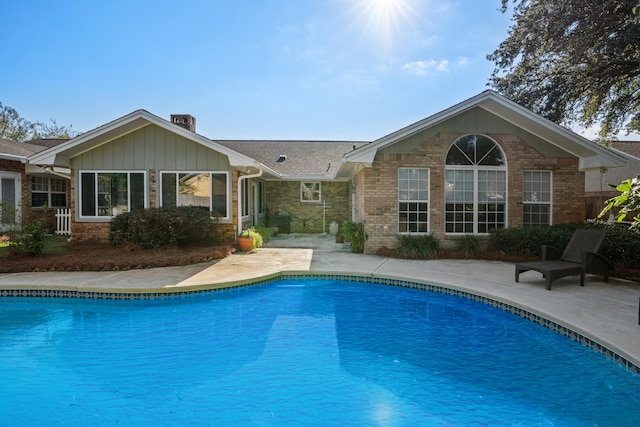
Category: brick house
<point>482,164</point>
<point>25,188</point>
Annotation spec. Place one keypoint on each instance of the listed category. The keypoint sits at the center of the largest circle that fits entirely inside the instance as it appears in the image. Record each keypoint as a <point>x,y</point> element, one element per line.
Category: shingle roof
<point>20,149</point>
<point>302,157</point>
<point>630,147</point>
<point>48,142</point>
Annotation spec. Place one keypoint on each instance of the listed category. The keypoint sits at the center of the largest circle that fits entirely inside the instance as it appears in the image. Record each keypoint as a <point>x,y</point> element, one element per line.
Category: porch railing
<point>63,222</point>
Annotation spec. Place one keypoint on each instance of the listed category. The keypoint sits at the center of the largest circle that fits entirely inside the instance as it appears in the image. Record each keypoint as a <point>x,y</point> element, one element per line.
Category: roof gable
<point>591,155</point>
<point>60,154</point>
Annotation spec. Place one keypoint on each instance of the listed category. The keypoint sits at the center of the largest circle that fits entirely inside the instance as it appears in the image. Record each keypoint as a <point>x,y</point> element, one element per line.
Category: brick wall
<point>380,184</point>
<point>306,217</point>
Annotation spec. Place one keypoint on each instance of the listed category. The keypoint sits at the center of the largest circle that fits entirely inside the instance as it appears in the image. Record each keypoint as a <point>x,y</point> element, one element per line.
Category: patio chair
<point>579,257</point>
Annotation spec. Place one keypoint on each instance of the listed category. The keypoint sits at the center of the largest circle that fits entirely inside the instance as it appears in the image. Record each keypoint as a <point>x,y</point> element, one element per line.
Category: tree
<point>573,61</point>
<point>12,126</point>
<point>16,128</point>
<point>628,201</point>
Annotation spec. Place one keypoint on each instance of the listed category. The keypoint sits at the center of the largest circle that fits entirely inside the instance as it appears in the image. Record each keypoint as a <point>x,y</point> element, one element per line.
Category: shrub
<point>469,246</point>
<point>424,246</point>
<point>160,227</point>
<point>622,245</point>
<point>265,232</point>
<point>354,233</point>
<point>32,237</point>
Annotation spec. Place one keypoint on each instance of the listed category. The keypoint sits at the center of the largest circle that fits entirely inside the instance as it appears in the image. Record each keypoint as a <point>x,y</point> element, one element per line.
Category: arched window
<point>475,186</point>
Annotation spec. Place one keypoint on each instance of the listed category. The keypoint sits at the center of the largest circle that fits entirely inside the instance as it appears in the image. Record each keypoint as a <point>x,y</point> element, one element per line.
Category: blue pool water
<point>299,352</point>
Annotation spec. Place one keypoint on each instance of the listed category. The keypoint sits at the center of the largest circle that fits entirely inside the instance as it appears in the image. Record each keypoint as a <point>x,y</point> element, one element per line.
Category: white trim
<point>227,214</point>
<point>107,218</point>
<point>550,202</point>
<point>427,201</point>
<point>475,168</point>
<point>591,155</point>
<point>127,124</point>
<point>319,192</point>
<point>17,181</point>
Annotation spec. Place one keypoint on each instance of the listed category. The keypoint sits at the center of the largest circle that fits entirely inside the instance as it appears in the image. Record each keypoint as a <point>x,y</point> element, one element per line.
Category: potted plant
<point>249,239</point>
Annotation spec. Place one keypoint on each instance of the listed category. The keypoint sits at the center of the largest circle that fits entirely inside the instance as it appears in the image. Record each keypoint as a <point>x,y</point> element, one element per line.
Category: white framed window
<point>475,186</point>
<point>413,200</point>
<point>105,194</point>
<point>536,198</point>
<point>205,189</point>
<point>310,192</point>
<point>51,192</point>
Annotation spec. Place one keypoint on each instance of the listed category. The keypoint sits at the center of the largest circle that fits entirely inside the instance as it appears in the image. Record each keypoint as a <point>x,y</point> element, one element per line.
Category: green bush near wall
<point>424,246</point>
<point>354,233</point>
<point>161,227</point>
<point>621,245</point>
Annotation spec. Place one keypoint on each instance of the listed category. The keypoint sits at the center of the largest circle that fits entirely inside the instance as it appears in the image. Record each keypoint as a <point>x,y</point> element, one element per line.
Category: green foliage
<point>15,128</point>
<point>628,201</point>
<point>622,245</point>
<point>265,232</point>
<point>425,246</point>
<point>354,233</point>
<point>160,227</point>
<point>573,61</point>
<point>254,233</point>
<point>32,237</point>
<point>469,246</point>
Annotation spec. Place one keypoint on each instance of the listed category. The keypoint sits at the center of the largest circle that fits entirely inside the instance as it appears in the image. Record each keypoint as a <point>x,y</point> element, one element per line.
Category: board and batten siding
<point>151,148</point>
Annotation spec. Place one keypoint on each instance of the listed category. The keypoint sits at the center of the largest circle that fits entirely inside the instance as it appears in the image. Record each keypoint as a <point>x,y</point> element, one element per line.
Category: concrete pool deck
<point>606,313</point>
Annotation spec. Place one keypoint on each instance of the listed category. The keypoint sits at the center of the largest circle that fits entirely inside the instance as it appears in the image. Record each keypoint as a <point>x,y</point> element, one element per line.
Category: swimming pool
<point>299,351</point>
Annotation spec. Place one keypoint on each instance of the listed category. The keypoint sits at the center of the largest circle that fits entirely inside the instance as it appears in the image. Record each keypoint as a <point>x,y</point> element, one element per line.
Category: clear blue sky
<point>261,69</point>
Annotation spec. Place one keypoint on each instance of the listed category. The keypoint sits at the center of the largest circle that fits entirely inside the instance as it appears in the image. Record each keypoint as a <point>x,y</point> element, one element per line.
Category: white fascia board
<point>306,177</point>
<point>591,155</point>
<point>367,153</point>
<point>145,118</point>
<point>598,162</point>
<point>13,157</point>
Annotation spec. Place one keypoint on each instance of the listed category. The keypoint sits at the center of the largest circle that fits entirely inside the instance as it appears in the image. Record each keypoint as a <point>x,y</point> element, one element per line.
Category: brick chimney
<point>186,121</point>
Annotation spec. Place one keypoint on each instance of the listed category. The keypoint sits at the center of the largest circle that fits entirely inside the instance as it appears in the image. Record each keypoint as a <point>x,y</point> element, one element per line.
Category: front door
<point>9,200</point>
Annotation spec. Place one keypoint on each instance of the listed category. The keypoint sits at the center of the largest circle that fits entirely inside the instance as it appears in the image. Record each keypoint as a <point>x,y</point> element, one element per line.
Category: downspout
<point>50,170</point>
<point>240,179</point>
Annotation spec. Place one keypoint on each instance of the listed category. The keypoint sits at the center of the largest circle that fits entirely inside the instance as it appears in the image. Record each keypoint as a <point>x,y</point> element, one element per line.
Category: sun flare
<point>383,21</point>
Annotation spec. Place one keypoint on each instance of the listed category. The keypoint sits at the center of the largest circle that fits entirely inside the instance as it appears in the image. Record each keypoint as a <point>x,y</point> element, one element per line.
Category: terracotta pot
<point>245,243</point>
<point>339,238</point>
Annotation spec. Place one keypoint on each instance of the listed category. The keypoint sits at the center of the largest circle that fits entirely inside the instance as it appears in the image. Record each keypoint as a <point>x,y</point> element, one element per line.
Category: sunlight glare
<point>382,21</point>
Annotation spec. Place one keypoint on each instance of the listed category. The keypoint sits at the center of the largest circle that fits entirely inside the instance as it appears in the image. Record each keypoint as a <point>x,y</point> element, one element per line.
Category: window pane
<point>536,198</point>
<point>219,187</point>
<point>87,181</point>
<point>38,200</point>
<point>58,200</point>
<point>413,198</point>
<point>39,184</point>
<point>8,199</point>
<point>194,190</point>
<point>58,185</point>
<point>169,190</point>
<point>310,191</point>
<point>137,191</point>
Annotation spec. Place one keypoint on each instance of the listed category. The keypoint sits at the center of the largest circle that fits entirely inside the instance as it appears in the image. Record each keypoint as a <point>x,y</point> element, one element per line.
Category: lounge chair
<point>579,257</point>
